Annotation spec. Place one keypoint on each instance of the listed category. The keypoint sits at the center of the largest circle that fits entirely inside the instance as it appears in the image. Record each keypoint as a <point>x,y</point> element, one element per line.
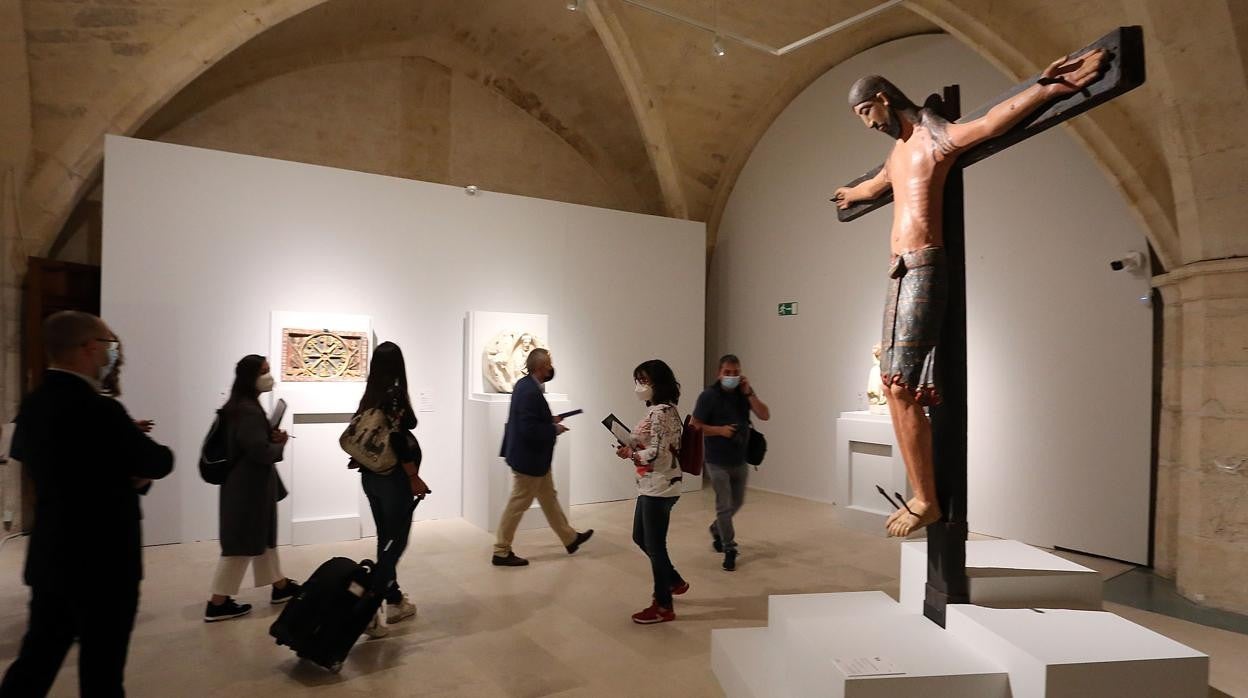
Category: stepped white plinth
<point>1007,574</point>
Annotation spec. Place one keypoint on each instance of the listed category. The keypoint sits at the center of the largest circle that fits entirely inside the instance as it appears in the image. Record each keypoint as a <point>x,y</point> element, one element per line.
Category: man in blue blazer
<point>529,447</point>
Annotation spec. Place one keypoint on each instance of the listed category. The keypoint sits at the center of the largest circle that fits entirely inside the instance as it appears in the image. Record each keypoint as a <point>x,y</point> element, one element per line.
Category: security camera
<point>1131,261</point>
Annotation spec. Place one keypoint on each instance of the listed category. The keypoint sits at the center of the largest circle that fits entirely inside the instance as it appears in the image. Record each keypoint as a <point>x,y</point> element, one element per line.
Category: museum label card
<point>866,666</point>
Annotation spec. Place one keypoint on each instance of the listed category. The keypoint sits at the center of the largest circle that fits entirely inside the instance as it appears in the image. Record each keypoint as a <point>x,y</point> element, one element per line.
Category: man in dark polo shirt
<point>723,414</point>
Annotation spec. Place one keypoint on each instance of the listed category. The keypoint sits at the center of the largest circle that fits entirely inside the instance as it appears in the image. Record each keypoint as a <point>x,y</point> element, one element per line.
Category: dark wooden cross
<point>1122,72</point>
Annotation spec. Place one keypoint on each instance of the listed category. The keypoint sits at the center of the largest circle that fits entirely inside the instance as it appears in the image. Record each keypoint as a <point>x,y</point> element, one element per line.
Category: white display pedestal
<point>867,455</point>
<point>984,653</point>
<point>487,478</point>
<point>1006,574</point>
<point>1057,652</point>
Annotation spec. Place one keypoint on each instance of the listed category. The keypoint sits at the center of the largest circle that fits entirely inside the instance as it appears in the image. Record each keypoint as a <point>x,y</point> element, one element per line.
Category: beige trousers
<point>265,570</point>
<point>523,490</point>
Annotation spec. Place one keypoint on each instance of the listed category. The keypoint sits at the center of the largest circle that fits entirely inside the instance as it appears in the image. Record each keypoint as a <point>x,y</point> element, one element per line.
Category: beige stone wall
<point>405,117</point>
<point>1202,505</point>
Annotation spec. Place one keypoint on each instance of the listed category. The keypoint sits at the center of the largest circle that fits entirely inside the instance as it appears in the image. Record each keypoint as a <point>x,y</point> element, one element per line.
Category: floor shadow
<point>1140,588</point>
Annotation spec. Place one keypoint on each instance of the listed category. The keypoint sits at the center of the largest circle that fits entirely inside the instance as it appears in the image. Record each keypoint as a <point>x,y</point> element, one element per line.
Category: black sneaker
<point>509,560</point>
<point>225,610</point>
<point>716,541</point>
<point>730,560</point>
<point>580,538</point>
<point>286,593</point>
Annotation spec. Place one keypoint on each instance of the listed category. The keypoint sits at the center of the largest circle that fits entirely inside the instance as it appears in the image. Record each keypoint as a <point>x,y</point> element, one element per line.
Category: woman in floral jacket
<point>656,439</point>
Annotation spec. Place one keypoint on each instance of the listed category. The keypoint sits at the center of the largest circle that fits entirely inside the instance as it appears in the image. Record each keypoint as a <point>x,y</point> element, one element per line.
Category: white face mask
<point>730,382</point>
<point>264,383</point>
<point>113,354</point>
<point>643,392</point>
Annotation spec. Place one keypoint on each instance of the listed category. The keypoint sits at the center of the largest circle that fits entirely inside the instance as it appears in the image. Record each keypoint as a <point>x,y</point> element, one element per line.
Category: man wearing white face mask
<point>85,560</point>
<point>723,415</point>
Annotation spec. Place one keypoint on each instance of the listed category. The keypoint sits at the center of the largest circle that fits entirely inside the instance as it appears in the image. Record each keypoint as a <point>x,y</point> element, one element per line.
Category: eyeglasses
<point>111,342</point>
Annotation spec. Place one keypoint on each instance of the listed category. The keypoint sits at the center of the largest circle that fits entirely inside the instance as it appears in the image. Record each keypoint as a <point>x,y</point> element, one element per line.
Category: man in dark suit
<point>88,459</point>
<point>528,447</point>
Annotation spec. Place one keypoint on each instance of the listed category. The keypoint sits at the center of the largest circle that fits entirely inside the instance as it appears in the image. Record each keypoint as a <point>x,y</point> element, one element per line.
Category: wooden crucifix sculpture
<point>923,359</point>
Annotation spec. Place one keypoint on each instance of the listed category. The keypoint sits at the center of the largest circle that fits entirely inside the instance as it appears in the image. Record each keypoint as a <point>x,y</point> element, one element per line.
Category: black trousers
<point>651,520</point>
<point>100,622</point>
<point>390,498</point>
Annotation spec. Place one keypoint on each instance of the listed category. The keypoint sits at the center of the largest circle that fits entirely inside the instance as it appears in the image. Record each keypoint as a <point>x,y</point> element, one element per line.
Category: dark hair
<point>666,387</point>
<point>866,89</point>
<point>244,390</point>
<point>729,359</point>
<point>68,330</point>
<point>387,379</point>
<point>535,358</point>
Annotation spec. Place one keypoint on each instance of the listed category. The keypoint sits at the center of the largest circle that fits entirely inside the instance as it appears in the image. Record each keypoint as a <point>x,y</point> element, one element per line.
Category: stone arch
<point>61,182</point>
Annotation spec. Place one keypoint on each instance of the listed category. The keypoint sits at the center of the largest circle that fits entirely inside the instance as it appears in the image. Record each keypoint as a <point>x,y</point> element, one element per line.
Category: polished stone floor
<point>559,627</point>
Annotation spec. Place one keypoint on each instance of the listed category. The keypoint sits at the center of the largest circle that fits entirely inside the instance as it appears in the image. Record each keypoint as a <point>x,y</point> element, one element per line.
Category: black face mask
<point>551,377</point>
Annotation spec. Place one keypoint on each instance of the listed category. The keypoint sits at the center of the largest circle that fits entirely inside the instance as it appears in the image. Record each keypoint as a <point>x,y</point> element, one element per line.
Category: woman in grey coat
<point>249,497</point>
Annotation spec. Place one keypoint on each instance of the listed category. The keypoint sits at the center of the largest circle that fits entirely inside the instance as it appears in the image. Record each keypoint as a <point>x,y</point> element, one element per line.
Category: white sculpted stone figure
<point>505,357</point>
<point>877,400</point>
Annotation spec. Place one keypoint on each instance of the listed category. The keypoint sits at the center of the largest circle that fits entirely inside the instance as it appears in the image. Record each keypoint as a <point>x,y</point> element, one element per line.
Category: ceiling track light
<point>719,33</point>
<point>573,5</point>
<point>717,47</point>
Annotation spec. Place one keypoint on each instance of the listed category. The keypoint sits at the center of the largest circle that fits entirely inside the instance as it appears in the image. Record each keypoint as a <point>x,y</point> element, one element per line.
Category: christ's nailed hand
<point>1065,76</point>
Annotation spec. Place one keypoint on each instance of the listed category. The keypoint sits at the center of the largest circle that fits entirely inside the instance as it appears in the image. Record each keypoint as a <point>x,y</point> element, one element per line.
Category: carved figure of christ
<point>925,149</point>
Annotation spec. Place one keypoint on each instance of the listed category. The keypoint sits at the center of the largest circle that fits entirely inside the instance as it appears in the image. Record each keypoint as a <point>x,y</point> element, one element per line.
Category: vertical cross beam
<point>946,539</point>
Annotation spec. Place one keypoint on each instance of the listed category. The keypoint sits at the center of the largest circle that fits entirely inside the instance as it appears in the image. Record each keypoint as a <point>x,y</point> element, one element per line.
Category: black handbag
<point>756,449</point>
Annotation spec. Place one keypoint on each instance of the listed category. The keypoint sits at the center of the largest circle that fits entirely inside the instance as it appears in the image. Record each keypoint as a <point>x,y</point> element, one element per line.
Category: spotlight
<point>717,47</point>
<point>573,6</point>
<point>471,190</point>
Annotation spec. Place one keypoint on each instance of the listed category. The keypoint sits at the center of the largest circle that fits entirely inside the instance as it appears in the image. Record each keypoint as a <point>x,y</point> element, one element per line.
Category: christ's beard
<point>892,126</point>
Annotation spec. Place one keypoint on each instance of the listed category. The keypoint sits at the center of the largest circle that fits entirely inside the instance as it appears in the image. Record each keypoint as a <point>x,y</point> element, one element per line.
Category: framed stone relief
<point>505,356</point>
<point>324,356</point>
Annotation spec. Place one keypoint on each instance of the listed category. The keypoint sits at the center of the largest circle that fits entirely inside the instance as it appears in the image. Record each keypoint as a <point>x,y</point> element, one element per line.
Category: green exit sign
<point>787,309</point>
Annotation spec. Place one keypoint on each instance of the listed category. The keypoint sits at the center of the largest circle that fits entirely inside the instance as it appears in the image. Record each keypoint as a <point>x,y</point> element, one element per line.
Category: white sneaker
<point>396,612</point>
<point>377,626</point>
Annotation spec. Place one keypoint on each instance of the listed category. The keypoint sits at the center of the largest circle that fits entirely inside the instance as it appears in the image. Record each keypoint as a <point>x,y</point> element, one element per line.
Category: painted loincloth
<point>913,316</point>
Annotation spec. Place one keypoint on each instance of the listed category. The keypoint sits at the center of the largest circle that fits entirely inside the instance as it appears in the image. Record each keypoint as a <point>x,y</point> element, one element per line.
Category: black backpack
<point>214,455</point>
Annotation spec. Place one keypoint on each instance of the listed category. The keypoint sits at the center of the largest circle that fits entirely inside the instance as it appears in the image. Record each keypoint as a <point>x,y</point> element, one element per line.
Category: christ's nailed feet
<point>902,523</point>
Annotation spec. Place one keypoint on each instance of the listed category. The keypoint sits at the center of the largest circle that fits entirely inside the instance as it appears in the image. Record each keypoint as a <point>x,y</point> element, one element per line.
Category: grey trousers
<point>729,484</point>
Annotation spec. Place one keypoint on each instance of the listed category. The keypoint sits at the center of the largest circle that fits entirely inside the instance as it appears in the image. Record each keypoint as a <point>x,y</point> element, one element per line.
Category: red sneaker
<point>680,588</point>
<point>654,614</point>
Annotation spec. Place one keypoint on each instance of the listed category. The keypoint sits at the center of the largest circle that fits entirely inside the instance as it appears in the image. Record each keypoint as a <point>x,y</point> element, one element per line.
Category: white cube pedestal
<point>809,631</point>
<point>487,478</point>
<point>866,455</point>
<point>1059,653</point>
<point>1006,574</point>
<point>984,652</point>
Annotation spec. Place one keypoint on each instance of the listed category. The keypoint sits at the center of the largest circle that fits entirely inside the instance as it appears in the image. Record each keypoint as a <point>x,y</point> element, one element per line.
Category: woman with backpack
<point>249,495</point>
<point>656,441</point>
<point>394,492</point>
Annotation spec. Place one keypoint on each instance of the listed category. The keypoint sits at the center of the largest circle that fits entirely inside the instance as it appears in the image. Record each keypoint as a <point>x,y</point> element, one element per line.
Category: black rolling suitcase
<point>332,610</point>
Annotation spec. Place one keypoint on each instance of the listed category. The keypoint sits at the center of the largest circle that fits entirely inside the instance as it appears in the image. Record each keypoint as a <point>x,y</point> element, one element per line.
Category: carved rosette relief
<point>324,356</point>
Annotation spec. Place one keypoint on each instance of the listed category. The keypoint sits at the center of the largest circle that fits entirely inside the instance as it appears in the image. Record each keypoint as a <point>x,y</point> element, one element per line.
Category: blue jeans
<point>390,498</point>
<point>650,523</point>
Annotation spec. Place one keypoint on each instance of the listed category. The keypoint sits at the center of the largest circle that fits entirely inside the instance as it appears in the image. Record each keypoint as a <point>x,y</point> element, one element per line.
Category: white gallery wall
<point>1059,345</point>
<point>200,247</point>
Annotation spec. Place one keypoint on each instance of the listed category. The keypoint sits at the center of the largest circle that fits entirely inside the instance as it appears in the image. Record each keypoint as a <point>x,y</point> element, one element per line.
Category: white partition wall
<point>201,247</point>
<point>1059,345</point>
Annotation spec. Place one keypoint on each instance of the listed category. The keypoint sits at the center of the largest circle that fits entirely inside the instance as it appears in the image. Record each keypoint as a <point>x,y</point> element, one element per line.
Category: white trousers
<point>265,569</point>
